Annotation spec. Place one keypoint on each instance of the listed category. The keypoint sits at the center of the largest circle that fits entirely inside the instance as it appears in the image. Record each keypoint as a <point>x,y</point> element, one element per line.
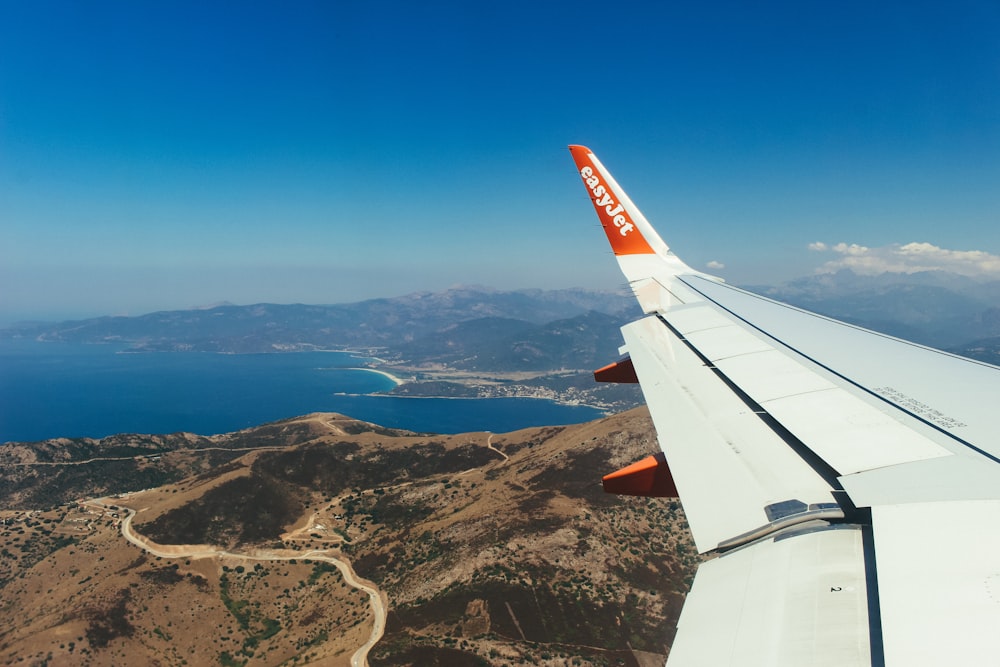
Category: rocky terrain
<point>310,540</point>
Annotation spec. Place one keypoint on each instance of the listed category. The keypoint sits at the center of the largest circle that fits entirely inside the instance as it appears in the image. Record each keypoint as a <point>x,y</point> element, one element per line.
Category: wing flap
<point>945,398</point>
<point>728,465</point>
<point>939,582</point>
<point>723,342</point>
<point>770,375</point>
<point>929,480</point>
<point>849,433</point>
<point>792,601</point>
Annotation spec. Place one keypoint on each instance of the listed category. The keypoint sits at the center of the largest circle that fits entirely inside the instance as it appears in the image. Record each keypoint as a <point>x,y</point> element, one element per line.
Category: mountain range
<point>478,328</point>
<point>373,324</point>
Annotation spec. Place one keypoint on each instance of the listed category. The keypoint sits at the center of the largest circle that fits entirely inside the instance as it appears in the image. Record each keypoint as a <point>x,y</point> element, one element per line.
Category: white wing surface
<point>846,483</point>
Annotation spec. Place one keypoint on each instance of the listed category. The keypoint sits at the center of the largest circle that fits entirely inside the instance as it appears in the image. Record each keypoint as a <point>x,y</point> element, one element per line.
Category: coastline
<point>386,374</point>
<point>494,386</point>
<point>606,409</point>
<point>89,393</point>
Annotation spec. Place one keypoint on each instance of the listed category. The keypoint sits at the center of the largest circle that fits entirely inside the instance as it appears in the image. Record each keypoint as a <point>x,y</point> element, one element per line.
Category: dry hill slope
<point>486,549</point>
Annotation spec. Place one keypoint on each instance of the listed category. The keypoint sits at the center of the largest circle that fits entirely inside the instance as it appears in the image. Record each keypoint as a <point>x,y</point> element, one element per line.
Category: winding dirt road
<point>375,597</point>
<point>489,445</point>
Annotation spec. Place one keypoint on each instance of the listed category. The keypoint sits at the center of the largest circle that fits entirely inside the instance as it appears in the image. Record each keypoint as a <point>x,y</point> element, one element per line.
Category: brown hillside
<point>486,549</point>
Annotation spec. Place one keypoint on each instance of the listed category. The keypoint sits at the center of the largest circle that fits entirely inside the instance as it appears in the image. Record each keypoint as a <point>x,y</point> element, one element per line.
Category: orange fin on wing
<point>649,477</point>
<point>620,371</point>
<point>612,206</point>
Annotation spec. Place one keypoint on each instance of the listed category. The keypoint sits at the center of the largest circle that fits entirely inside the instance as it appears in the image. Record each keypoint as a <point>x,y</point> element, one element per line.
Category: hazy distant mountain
<point>373,323</point>
<point>464,340</point>
<point>497,344</point>
<point>477,328</point>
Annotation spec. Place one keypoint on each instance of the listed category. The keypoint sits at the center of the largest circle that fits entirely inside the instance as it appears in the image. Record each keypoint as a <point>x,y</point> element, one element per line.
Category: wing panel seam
<point>827,472</point>
<point>846,379</point>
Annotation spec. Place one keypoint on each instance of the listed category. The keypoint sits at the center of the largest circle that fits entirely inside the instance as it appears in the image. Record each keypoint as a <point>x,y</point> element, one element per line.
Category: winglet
<point>627,229</point>
<point>640,251</point>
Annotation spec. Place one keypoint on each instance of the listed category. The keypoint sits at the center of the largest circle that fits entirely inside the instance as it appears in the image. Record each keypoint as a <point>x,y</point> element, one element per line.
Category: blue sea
<point>50,390</point>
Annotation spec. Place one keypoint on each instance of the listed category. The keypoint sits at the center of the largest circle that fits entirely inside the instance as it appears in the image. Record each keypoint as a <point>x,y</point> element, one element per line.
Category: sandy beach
<point>380,372</point>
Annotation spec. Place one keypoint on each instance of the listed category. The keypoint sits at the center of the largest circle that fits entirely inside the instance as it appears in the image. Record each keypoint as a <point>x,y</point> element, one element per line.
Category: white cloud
<point>715,265</point>
<point>907,258</point>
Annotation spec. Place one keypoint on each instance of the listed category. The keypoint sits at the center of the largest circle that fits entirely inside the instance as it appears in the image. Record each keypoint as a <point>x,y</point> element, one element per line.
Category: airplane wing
<point>844,484</point>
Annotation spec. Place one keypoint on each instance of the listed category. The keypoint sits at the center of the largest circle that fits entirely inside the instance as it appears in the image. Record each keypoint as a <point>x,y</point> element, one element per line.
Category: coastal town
<point>566,386</point>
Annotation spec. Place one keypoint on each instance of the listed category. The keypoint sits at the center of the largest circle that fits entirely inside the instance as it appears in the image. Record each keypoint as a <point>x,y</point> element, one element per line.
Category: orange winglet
<point>625,237</point>
<point>621,371</point>
<point>649,477</point>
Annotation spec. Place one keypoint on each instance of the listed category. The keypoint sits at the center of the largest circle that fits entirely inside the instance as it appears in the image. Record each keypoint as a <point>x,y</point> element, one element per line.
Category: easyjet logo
<point>602,199</point>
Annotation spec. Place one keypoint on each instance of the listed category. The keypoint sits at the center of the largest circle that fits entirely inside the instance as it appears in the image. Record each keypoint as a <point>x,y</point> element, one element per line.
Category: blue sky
<point>157,156</point>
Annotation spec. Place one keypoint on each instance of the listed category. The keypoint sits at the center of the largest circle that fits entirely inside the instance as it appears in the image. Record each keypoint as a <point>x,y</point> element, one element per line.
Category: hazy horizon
<point>935,275</point>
